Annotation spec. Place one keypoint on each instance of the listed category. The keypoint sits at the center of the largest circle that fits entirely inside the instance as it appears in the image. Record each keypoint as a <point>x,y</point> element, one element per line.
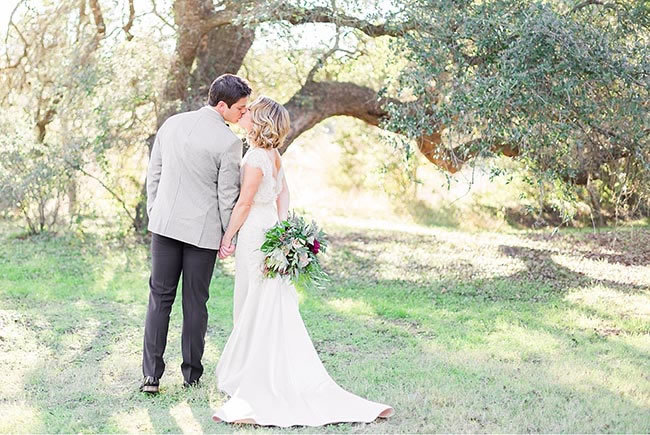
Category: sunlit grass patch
<point>136,420</point>
<point>351,306</point>
<point>614,302</point>
<point>184,418</point>
<point>631,276</point>
<point>20,417</point>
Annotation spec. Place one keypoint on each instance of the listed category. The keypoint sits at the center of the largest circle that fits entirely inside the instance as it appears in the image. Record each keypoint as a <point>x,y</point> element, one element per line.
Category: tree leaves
<point>567,91</point>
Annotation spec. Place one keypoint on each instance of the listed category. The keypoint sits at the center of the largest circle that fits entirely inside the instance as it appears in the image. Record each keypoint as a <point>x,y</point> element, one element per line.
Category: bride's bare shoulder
<point>277,159</point>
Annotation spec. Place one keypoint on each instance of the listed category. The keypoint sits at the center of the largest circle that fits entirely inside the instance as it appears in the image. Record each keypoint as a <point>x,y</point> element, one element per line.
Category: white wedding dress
<point>269,365</point>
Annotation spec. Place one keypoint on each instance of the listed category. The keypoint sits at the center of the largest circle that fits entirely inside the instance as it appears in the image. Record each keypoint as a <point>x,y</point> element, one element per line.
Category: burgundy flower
<point>315,247</point>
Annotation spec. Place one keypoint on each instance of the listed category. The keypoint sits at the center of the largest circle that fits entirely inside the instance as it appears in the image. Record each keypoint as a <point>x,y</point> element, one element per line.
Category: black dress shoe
<point>150,385</point>
<point>194,383</point>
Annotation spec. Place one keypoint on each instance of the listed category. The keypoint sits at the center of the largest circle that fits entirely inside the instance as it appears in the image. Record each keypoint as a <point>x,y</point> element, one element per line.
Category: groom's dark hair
<point>228,88</point>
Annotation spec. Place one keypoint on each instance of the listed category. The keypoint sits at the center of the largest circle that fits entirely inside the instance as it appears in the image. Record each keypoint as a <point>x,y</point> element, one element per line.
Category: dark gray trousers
<point>169,258</point>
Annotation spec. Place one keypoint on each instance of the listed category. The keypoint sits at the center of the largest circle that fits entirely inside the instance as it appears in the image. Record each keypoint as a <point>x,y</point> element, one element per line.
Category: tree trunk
<point>72,198</point>
<point>594,199</point>
<point>220,51</point>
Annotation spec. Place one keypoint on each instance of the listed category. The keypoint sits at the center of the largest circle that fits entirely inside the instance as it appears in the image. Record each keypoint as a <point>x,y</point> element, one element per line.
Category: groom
<point>192,187</point>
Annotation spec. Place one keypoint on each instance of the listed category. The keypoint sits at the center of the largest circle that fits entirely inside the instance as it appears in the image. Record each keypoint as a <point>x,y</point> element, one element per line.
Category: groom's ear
<point>221,107</point>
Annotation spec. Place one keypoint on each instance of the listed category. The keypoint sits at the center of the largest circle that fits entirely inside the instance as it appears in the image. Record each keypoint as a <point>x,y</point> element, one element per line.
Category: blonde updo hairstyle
<point>270,123</point>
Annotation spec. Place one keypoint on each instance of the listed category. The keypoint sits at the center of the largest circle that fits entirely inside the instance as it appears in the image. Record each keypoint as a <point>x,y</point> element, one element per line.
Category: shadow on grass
<point>366,256</point>
<point>540,266</point>
<point>629,246</point>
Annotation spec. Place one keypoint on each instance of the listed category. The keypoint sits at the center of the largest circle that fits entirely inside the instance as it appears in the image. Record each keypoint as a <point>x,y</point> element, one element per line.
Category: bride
<point>269,366</point>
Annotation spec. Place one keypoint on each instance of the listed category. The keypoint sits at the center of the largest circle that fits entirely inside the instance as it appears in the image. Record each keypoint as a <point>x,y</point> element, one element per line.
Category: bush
<point>32,185</point>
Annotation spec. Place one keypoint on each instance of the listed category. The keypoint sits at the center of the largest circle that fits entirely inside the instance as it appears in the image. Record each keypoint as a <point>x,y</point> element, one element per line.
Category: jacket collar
<point>213,113</point>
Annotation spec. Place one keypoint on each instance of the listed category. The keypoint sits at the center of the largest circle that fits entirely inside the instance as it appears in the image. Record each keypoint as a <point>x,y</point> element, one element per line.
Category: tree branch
<point>98,17</point>
<point>129,23</point>
<point>25,44</point>
<point>321,61</point>
<point>154,10</point>
<point>219,19</point>
<point>317,101</point>
<point>586,3</point>
<point>296,15</point>
<point>108,189</point>
<point>280,11</point>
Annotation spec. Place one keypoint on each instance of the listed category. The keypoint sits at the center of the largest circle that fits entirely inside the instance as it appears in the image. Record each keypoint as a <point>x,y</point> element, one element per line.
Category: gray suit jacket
<point>193,178</point>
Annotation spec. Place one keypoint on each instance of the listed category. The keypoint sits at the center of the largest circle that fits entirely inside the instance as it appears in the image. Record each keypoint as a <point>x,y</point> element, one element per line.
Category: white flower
<point>303,260</point>
<point>278,260</point>
<point>296,243</point>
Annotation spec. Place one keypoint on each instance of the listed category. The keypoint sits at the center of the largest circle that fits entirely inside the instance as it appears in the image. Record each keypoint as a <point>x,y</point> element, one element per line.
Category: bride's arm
<point>283,200</point>
<point>250,184</point>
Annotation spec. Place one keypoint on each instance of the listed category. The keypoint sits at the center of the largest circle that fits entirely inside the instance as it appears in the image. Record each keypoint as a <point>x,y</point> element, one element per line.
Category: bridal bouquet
<point>291,248</point>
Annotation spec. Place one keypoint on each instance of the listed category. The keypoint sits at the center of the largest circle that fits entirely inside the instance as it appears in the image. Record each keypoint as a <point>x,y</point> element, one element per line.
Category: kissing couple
<point>205,201</point>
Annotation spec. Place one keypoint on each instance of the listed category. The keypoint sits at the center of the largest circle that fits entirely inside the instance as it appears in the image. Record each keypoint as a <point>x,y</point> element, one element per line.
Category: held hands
<point>226,251</point>
<point>227,248</point>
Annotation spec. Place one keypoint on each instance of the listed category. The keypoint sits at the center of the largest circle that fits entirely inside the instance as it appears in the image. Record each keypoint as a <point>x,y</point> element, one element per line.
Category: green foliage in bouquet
<point>291,248</point>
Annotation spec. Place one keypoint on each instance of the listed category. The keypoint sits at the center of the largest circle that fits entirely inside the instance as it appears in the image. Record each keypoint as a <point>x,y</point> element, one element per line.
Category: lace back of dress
<point>270,187</point>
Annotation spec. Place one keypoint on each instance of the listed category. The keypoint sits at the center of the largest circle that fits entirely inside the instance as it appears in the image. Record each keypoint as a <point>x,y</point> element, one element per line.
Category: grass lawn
<point>458,331</point>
